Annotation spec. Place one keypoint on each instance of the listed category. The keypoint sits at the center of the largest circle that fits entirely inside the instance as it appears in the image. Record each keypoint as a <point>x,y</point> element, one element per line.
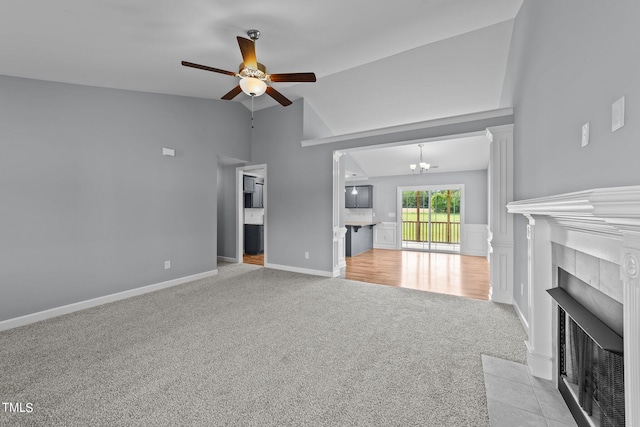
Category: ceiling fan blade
<point>284,101</point>
<point>232,93</point>
<point>293,77</point>
<point>248,50</point>
<point>204,67</point>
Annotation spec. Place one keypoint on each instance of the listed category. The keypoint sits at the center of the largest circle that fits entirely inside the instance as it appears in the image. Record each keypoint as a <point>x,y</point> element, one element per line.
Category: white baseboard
<point>340,271</point>
<point>299,270</point>
<point>77,306</point>
<point>384,246</point>
<point>227,259</point>
<point>523,320</point>
<point>539,365</point>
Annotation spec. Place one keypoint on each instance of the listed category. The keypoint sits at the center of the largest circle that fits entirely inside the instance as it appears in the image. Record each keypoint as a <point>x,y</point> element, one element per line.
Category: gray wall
<point>88,204</point>
<point>475,190</point>
<point>299,201</point>
<point>313,126</point>
<point>568,62</point>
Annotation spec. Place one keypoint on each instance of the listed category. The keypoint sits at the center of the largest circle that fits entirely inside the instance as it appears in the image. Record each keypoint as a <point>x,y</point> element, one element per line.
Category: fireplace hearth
<point>590,353</point>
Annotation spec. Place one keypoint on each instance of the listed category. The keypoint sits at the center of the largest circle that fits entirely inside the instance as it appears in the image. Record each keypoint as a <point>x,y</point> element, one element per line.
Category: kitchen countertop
<point>361,224</point>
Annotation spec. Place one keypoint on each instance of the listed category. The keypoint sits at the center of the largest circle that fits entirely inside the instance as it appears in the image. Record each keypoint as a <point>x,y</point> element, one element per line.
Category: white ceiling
<point>451,155</point>
<point>378,63</point>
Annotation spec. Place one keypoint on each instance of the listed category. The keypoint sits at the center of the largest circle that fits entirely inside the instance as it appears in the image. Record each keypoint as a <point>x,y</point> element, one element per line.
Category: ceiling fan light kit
<point>253,86</point>
<point>253,75</point>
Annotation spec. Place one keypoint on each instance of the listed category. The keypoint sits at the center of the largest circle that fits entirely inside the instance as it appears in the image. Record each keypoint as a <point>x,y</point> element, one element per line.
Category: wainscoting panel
<point>385,235</point>
<point>474,240</point>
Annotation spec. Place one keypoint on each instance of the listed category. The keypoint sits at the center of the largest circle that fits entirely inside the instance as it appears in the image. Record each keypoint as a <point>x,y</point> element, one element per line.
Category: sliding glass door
<point>431,219</point>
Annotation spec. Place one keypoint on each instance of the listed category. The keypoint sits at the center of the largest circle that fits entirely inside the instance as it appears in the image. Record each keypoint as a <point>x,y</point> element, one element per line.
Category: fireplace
<point>590,352</point>
<point>581,244</point>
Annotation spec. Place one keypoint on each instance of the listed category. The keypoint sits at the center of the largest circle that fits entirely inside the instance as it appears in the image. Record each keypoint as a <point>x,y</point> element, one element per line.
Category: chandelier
<point>424,167</point>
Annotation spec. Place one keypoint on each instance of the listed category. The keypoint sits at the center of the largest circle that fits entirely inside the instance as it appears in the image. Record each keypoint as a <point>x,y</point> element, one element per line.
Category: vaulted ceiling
<point>378,63</point>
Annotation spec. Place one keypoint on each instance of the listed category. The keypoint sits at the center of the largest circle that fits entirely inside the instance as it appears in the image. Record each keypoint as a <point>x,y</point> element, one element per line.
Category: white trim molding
<point>338,238</point>
<point>339,251</point>
<point>299,270</point>
<point>94,302</point>
<point>522,317</point>
<point>483,115</point>
<point>598,211</point>
<point>539,278</point>
<point>604,223</point>
<point>500,233</point>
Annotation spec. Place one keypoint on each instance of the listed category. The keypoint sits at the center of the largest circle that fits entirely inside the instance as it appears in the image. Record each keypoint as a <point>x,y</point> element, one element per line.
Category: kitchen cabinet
<point>253,239</point>
<point>364,198</point>
<point>248,184</point>
<point>256,198</point>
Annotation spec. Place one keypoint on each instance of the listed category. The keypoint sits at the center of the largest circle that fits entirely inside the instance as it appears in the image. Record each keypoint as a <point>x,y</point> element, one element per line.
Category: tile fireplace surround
<point>594,234</point>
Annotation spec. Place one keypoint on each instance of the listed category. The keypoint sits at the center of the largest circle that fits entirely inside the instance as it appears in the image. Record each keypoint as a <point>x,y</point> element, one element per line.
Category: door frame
<point>427,187</point>
<point>240,173</point>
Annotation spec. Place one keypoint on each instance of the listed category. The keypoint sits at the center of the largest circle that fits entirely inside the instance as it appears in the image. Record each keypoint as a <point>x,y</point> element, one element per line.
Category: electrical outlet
<point>521,289</point>
<point>167,265</point>
<point>306,255</point>
<point>585,134</point>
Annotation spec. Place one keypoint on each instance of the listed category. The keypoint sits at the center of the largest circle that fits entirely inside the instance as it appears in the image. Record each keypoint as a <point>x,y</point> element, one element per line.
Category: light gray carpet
<point>259,347</point>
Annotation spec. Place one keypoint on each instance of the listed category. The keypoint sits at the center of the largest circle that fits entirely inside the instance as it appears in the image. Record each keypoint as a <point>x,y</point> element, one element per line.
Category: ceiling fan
<point>253,75</point>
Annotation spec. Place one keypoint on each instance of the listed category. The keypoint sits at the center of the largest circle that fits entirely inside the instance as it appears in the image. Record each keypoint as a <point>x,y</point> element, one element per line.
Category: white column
<point>339,232</point>
<point>500,221</point>
<point>630,275</point>
<point>540,278</point>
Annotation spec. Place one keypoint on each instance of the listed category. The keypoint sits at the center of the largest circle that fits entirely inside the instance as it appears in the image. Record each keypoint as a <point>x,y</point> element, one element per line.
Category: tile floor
<point>518,399</point>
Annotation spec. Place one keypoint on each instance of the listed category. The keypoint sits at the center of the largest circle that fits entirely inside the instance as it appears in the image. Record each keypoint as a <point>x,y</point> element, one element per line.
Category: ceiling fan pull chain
<point>252,96</point>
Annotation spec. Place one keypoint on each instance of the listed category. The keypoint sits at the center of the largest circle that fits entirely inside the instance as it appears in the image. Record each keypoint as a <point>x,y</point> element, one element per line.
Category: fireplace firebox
<point>590,353</point>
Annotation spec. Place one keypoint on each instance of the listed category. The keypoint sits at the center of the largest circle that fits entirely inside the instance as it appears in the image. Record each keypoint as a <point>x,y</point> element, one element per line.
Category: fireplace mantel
<point>604,223</point>
<point>603,210</point>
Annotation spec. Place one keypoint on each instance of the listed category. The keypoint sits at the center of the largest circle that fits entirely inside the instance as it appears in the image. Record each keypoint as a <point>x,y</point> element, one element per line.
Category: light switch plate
<point>168,152</point>
<point>585,134</point>
<point>617,114</point>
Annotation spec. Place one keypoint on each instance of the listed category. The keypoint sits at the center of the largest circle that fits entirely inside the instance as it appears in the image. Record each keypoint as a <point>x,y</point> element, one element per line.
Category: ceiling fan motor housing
<point>260,73</point>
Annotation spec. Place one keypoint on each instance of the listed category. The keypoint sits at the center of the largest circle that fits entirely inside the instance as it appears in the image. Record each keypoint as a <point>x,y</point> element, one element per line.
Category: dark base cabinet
<point>253,239</point>
<point>359,239</point>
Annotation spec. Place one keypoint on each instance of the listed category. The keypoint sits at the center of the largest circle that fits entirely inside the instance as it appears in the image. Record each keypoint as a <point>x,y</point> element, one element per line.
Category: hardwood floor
<point>461,275</point>
<point>253,259</point>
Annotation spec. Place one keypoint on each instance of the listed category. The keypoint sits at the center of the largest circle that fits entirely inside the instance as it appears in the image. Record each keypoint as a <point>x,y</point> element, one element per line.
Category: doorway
<point>251,218</point>
<point>431,218</point>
